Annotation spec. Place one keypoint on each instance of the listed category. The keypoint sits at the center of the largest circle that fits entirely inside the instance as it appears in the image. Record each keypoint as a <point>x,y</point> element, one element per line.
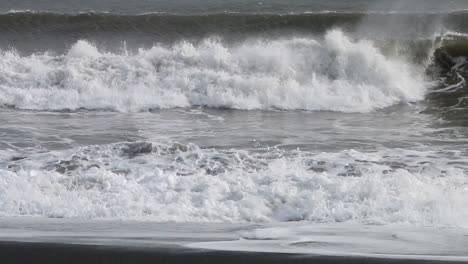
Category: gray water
<point>245,6</point>
<point>239,111</point>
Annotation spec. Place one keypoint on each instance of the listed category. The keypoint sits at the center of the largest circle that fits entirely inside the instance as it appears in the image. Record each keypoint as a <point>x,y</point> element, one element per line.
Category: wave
<point>332,73</point>
<point>201,25</point>
<point>174,182</point>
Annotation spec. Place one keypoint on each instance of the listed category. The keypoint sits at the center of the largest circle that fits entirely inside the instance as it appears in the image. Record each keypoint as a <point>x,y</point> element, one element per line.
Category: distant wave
<point>312,12</point>
<point>161,23</point>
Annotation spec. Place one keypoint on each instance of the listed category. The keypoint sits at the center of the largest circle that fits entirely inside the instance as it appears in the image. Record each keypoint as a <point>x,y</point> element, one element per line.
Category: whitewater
<point>342,113</point>
<point>195,131</point>
<point>189,184</point>
<point>332,73</point>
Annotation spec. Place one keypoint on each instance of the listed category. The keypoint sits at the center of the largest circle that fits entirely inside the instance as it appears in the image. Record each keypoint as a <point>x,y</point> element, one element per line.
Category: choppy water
<point>247,111</point>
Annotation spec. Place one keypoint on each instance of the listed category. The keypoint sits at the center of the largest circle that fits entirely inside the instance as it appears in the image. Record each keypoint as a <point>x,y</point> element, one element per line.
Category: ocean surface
<point>267,111</point>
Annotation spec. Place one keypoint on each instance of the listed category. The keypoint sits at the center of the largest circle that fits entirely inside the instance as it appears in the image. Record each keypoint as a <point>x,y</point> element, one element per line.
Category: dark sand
<point>51,253</point>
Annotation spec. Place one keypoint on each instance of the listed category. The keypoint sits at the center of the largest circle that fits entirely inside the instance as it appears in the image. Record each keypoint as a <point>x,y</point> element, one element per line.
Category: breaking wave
<point>333,73</point>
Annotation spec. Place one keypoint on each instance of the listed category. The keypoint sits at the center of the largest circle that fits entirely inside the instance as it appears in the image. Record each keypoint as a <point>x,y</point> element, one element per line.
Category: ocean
<point>341,113</point>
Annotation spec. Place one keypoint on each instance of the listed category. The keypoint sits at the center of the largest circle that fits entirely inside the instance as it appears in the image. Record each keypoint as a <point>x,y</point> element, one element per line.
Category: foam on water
<point>331,73</point>
<point>186,183</point>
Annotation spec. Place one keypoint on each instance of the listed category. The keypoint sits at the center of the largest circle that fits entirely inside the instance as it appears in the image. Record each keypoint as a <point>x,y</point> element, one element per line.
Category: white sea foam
<point>331,73</point>
<point>186,183</point>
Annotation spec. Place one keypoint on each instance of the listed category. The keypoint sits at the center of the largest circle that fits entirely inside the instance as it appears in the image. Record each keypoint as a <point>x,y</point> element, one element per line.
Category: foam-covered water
<point>186,183</point>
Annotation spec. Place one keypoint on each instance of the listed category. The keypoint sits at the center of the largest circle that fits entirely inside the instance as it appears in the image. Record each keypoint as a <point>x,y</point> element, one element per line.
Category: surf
<point>333,72</point>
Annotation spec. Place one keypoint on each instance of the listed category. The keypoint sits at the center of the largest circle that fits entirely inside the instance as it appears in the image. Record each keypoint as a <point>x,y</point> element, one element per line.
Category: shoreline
<point>13,252</point>
<point>36,241</point>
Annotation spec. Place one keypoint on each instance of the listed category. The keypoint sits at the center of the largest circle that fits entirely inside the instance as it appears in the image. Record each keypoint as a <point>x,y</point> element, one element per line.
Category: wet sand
<point>51,253</point>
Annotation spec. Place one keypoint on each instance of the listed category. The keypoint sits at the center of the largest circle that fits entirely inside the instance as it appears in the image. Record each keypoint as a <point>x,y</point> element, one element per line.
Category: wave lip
<point>333,73</point>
